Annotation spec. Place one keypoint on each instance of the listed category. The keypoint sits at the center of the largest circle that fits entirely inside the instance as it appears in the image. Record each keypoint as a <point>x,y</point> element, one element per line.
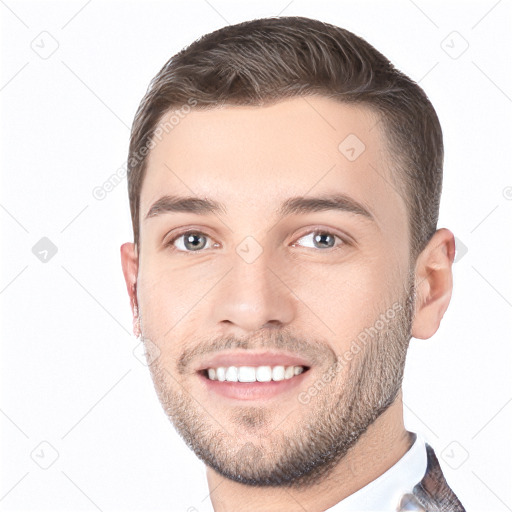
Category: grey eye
<point>319,240</point>
<point>191,241</point>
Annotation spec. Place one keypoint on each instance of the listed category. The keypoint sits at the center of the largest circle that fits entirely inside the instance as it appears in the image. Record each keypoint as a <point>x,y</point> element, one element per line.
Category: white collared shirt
<point>384,493</point>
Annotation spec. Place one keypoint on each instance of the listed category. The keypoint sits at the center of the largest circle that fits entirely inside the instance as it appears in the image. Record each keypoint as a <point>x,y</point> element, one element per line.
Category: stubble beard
<point>321,432</point>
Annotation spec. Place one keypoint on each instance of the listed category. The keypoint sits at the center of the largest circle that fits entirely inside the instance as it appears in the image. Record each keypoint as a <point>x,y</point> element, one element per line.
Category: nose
<point>254,295</point>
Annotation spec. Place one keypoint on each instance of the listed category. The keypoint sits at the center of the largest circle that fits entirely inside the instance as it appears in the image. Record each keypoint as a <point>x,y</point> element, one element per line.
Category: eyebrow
<point>180,204</point>
<point>339,202</point>
<point>292,206</point>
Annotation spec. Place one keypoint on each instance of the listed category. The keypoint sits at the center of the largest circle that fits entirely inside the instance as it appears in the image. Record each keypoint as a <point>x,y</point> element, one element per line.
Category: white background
<point>69,374</point>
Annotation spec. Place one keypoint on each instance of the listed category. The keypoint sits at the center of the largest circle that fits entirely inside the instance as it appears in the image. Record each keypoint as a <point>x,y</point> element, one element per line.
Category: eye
<point>319,239</point>
<point>195,241</point>
<point>190,241</point>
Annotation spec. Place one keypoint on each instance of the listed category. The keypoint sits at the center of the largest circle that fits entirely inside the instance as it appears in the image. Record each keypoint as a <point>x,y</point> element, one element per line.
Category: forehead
<point>253,158</point>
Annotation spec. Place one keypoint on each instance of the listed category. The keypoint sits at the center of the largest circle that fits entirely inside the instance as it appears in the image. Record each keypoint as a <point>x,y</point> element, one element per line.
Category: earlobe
<point>434,283</point>
<point>130,265</point>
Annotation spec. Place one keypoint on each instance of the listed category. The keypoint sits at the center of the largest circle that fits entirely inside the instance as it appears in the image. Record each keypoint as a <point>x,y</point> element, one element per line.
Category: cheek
<point>169,293</point>
<point>346,298</point>
<point>337,301</point>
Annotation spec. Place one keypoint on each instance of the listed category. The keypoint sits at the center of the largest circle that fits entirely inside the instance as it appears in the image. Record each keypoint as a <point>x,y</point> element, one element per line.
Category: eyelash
<point>171,242</point>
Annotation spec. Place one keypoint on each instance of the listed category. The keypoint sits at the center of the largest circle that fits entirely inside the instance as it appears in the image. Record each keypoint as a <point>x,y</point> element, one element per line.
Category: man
<point>284,183</point>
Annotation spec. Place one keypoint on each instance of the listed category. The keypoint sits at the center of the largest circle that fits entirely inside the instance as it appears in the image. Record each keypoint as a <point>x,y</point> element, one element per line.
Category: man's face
<point>327,286</point>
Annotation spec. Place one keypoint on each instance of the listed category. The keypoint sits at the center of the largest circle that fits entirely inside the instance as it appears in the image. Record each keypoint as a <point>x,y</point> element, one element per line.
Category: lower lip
<point>252,390</point>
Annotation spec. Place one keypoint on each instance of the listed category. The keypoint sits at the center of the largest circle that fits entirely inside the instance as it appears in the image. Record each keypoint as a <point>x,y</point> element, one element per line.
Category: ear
<point>434,283</point>
<point>130,264</point>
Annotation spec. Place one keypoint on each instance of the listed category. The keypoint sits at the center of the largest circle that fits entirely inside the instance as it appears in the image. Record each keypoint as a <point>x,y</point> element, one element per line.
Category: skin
<point>297,295</point>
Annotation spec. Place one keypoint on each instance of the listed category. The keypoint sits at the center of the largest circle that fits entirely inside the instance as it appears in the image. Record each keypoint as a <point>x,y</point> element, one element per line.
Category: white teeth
<point>246,374</point>
<point>232,374</point>
<point>278,373</point>
<point>253,373</point>
<point>288,372</point>
<point>264,374</point>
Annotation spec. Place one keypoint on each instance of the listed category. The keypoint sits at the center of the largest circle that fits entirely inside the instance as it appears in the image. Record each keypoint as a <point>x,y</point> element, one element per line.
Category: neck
<point>384,443</point>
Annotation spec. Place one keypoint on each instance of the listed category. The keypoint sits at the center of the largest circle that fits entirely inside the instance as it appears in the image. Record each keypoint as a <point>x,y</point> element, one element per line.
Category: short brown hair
<point>271,59</point>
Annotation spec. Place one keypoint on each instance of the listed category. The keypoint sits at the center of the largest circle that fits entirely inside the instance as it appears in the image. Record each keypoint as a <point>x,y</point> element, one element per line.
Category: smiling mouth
<point>253,374</point>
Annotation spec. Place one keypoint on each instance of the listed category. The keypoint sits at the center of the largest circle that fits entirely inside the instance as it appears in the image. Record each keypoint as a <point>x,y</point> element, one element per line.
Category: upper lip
<point>248,358</point>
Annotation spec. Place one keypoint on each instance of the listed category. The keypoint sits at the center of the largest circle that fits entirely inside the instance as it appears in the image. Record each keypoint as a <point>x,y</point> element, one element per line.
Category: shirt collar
<point>383,494</point>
